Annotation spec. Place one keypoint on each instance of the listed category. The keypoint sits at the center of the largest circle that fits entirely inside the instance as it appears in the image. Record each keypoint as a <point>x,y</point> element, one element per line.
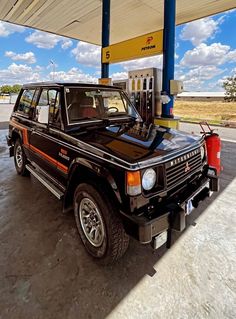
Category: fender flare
<point>98,170</point>
<point>17,131</point>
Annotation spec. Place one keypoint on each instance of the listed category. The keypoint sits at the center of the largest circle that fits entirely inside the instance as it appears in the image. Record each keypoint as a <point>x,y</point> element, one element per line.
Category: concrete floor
<point>46,273</point>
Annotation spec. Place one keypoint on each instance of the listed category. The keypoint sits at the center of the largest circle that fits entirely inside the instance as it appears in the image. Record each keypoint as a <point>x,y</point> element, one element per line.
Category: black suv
<point>87,144</point>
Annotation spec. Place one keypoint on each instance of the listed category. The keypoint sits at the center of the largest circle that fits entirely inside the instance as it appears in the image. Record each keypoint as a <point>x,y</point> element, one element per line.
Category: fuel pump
<point>150,110</point>
<point>146,91</point>
<point>144,101</point>
<point>138,94</point>
<point>132,90</point>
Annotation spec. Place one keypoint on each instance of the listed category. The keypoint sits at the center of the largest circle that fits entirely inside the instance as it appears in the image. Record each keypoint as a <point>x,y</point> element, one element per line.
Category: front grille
<point>182,167</point>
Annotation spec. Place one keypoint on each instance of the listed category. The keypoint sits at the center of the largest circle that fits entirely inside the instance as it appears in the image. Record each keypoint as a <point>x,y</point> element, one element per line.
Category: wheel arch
<point>85,171</point>
<point>15,134</point>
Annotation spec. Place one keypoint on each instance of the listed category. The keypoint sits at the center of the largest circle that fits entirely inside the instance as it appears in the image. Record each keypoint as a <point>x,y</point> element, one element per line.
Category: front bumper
<point>169,215</point>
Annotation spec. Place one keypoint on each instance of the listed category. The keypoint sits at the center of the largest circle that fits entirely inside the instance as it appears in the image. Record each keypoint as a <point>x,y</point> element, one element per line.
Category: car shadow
<point>45,268</point>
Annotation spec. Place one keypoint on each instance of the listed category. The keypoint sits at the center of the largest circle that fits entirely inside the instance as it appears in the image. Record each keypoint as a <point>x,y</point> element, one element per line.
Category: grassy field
<point>214,112</point>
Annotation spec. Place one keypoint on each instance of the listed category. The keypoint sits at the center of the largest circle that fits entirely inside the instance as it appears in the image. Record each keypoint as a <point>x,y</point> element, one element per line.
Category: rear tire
<point>99,225</point>
<point>20,159</point>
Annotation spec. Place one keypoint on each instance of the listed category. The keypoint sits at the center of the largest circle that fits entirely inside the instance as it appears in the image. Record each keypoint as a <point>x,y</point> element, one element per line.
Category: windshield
<point>92,103</point>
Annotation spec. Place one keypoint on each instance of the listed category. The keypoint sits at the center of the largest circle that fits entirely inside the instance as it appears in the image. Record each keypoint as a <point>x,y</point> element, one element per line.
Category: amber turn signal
<point>133,183</point>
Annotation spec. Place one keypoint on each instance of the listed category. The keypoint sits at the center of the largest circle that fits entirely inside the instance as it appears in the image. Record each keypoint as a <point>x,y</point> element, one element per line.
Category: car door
<point>44,147</point>
<point>21,118</point>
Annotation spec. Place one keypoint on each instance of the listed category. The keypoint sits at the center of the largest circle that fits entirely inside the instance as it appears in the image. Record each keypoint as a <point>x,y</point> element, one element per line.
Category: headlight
<point>149,179</point>
<point>202,151</point>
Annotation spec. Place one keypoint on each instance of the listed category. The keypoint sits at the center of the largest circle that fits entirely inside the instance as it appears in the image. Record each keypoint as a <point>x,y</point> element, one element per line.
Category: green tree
<point>230,88</point>
<point>6,89</point>
<point>16,88</point>
<point>10,89</point>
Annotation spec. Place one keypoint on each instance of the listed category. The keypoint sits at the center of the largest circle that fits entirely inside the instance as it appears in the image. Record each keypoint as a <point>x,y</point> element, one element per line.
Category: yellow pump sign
<point>143,46</point>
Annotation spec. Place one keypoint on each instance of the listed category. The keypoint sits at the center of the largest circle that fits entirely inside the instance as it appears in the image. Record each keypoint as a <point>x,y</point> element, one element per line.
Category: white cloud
<point>67,43</point>
<point>73,75</point>
<point>214,54</point>
<point>194,79</point>
<point>87,54</point>
<point>8,28</point>
<point>44,40</point>
<point>217,85</point>
<point>51,65</point>
<point>233,72</point>
<point>200,30</point>
<point>27,57</point>
<point>150,62</point>
<point>231,56</point>
<point>119,76</point>
<point>22,73</point>
<point>201,72</point>
<point>19,73</point>
<point>39,68</point>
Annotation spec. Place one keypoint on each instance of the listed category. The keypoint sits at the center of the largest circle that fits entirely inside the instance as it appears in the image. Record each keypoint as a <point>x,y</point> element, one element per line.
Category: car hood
<point>135,144</point>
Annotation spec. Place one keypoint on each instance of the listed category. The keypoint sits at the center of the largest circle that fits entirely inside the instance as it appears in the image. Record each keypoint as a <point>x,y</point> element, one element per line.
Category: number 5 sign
<point>108,55</point>
<point>143,46</point>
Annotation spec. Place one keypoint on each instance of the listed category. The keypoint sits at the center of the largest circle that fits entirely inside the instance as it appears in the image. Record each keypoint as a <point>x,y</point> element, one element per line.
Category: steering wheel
<point>114,108</point>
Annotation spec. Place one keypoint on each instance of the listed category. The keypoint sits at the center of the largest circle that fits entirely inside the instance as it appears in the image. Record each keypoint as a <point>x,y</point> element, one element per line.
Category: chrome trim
<point>52,179</point>
<point>197,170</point>
<point>113,118</point>
<point>168,157</point>
<point>87,122</point>
<point>54,191</point>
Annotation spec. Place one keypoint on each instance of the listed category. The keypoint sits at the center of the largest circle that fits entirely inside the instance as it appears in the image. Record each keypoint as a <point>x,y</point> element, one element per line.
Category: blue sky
<point>205,55</point>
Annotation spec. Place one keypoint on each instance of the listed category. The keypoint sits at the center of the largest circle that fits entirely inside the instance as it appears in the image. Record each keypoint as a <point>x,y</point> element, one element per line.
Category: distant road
<point>226,133</point>
<point>5,111</point>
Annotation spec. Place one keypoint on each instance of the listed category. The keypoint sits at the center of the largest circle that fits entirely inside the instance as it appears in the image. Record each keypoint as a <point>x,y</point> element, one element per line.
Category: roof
<point>60,84</point>
<point>201,94</point>
<point>81,19</point>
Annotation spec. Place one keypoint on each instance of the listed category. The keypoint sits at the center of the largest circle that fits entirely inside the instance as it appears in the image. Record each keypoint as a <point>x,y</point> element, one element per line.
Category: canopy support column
<point>105,34</point>
<point>168,55</point>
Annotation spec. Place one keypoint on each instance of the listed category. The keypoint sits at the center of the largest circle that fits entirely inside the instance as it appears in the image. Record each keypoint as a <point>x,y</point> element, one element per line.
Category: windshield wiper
<point>81,119</point>
<point>116,114</point>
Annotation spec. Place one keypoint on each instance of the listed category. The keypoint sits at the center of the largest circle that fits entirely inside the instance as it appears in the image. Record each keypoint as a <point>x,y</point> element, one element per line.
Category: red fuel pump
<point>213,146</point>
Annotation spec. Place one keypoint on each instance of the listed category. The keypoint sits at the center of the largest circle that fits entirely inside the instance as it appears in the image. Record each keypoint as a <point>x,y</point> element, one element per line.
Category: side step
<point>50,186</point>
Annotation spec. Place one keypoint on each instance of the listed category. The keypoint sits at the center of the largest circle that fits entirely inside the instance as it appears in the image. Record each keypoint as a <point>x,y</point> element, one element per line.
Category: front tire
<point>20,159</point>
<point>99,226</point>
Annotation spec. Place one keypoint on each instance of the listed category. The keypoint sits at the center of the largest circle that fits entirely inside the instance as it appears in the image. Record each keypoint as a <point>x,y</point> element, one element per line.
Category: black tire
<point>20,159</point>
<point>115,241</point>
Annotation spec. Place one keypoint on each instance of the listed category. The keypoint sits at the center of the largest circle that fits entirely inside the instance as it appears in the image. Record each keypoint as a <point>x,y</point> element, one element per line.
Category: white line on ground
<point>227,140</point>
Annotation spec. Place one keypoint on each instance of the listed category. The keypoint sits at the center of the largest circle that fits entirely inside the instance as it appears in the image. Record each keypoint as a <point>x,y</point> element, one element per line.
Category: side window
<point>34,104</point>
<point>24,105</point>
<point>51,97</point>
<point>43,98</point>
<point>54,107</point>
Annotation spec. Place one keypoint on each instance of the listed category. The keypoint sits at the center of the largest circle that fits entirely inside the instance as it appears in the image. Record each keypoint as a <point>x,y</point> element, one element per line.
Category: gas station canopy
<point>82,20</point>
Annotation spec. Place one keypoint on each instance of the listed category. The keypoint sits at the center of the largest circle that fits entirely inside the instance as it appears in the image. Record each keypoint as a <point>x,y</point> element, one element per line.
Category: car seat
<point>86,108</point>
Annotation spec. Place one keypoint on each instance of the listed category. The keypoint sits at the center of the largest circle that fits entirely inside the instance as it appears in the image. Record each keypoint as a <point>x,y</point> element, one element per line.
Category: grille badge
<point>187,167</point>
<point>184,157</point>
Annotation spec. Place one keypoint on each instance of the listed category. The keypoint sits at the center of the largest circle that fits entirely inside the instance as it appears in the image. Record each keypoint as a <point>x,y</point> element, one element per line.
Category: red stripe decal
<point>26,142</point>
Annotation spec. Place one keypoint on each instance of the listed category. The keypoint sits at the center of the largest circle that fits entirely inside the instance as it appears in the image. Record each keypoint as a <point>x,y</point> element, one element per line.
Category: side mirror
<point>43,114</point>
